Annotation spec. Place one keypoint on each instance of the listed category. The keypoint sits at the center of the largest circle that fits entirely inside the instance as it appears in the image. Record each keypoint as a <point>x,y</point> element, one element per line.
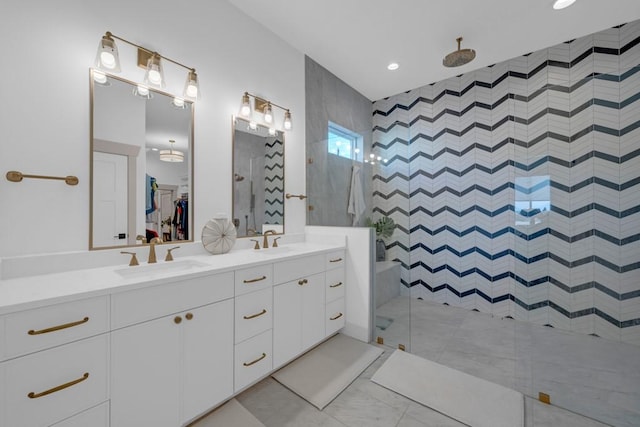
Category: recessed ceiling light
<point>561,4</point>
<point>393,66</point>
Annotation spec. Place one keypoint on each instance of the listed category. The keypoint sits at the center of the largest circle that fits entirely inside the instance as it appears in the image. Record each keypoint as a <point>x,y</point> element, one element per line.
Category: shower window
<point>344,143</point>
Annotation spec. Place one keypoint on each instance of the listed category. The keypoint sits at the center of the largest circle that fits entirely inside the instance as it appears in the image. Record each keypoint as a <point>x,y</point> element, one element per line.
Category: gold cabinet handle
<point>177,320</point>
<point>255,280</point>
<point>253,316</point>
<point>255,361</point>
<point>336,317</point>
<point>189,316</point>
<point>336,285</point>
<point>335,260</point>
<point>33,395</point>
<point>303,282</point>
<point>57,328</point>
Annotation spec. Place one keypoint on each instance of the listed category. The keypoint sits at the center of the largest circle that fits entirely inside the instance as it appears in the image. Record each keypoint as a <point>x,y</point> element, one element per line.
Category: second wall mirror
<point>258,179</point>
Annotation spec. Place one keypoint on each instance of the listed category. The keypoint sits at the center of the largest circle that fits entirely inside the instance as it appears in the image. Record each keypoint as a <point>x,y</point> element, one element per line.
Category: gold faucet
<point>265,241</point>
<point>152,249</point>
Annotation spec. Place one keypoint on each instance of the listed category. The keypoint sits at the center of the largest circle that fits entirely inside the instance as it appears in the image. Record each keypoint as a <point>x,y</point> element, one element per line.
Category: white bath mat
<point>463,397</point>
<point>320,375</point>
<point>230,414</point>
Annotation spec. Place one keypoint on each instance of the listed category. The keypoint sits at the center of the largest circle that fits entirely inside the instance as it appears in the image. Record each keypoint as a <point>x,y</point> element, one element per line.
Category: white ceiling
<point>356,39</point>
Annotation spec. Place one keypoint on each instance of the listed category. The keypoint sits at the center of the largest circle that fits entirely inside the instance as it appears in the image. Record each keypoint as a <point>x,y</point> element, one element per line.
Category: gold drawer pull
<point>337,317</point>
<point>57,328</point>
<point>253,316</point>
<point>336,285</point>
<point>335,260</point>
<point>256,361</point>
<point>255,280</point>
<point>33,395</point>
<point>303,282</point>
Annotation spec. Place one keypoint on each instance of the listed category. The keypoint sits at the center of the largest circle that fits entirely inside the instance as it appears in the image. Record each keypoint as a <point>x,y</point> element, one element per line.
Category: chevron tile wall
<point>274,181</point>
<point>516,188</point>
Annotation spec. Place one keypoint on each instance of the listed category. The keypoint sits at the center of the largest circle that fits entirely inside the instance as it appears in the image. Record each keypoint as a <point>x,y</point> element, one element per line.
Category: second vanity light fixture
<point>108,60</point>
<point>265,107</point>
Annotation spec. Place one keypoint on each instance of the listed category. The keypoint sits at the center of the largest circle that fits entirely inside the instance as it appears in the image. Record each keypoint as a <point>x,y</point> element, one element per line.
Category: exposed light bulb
<point>245,110</point>
<point>287,120</point>
<point>272,131</point>
<point>154,77</point>
<point>143,90</point>
<point>99,77</point>
<point>108,60</point>
<point>178,102</point>
<point>268,114</point>
<point>561,4</point>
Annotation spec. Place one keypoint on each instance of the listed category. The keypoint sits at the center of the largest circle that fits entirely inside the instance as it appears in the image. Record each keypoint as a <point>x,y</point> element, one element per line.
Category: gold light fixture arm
<point>150,52</point>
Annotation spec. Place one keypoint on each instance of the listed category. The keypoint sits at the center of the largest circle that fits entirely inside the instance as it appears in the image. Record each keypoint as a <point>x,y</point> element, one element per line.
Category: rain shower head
<point>459,57</point>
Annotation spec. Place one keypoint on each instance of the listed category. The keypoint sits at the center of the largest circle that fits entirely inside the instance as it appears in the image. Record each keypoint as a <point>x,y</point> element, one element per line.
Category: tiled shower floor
<point>588,375</point>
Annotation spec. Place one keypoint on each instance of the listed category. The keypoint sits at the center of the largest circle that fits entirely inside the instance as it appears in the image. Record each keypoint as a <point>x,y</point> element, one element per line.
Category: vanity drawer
<point>62,381</point>
<point>335,316</point>
<point>253,359</point>
<point>334,284</point>
<point>286,271</point>
<point>53,325</point>
<point>128,308</point>
<point>253,313</point>
<point>94,417</point>
<point>334,260</point>
<point>253,279</point>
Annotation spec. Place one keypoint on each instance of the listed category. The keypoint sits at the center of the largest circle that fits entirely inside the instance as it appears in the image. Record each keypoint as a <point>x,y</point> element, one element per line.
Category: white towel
<point>356,206</point>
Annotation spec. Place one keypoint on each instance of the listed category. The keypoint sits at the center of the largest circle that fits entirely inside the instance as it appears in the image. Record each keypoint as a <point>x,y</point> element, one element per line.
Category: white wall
<point>47,49</point>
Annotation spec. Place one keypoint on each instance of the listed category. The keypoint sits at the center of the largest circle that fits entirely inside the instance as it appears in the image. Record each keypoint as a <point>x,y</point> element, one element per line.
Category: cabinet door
<point>145,386</point>
<point>97,416</point>
<point>208,358</point>
<point>287,326</point>
<point>313,310</point>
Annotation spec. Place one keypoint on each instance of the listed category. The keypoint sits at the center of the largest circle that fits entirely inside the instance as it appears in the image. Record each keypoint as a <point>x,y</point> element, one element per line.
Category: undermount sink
<point>153,270</point>
<point>273,251</point>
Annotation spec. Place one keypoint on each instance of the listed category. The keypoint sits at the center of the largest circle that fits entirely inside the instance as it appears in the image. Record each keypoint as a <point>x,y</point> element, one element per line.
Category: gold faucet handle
<point>169,257</point>
<point>134,260</point>
<point>156,240</point>
<point>141,238</point>
<point>275,242</point>
<point>257,245</point>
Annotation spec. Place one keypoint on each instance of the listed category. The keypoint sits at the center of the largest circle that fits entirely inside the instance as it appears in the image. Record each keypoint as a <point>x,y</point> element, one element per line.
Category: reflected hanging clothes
<point>181,220</point>
<point>150,194</point>
<point>356,205</point>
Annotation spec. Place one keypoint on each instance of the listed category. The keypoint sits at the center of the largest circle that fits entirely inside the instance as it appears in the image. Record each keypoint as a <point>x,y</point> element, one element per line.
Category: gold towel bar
<point>299,196</point>
<point>15,176</point>
<point>33,395</point>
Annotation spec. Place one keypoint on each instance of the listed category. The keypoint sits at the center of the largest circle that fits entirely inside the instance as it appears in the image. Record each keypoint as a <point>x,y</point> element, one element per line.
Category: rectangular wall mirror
<point>141,164</point>
<point>258,179</point>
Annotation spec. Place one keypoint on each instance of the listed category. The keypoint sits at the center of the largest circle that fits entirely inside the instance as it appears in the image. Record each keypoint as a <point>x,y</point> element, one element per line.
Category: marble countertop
<point>35,291</point>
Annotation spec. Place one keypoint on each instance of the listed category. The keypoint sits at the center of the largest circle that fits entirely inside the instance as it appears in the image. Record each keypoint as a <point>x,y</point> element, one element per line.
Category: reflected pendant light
<point>191,87</point>
<point>459,57</point>
<point>171,155</point>
<point>154,75</point>
<point>107,58</point>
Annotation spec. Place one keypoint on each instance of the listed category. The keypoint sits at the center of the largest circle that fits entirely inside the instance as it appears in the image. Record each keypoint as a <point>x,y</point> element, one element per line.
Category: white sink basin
<point>161,268</point>
<point>273,251</point>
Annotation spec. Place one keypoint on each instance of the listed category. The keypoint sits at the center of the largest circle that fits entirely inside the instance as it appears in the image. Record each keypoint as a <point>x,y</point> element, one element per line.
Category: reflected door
<point>109,199</point>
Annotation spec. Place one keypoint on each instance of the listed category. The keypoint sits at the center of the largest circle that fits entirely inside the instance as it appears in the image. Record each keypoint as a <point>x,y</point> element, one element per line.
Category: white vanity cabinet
<point>55,362</point>
<point>171,369</point>
<point>299,307</point>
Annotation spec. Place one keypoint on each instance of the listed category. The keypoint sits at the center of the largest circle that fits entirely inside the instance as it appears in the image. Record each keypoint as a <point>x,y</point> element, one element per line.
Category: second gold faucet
<point>265,241</point>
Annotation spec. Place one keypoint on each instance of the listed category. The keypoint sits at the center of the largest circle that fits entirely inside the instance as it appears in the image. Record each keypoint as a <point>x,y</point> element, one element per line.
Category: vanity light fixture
<point>171,155</point>
<point>251,103</point>
<point>178,102</point>
<point>108,60</point>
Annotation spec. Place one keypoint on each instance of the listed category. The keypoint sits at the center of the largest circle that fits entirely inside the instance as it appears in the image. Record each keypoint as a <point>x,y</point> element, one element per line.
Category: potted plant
<point>384,230</point>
